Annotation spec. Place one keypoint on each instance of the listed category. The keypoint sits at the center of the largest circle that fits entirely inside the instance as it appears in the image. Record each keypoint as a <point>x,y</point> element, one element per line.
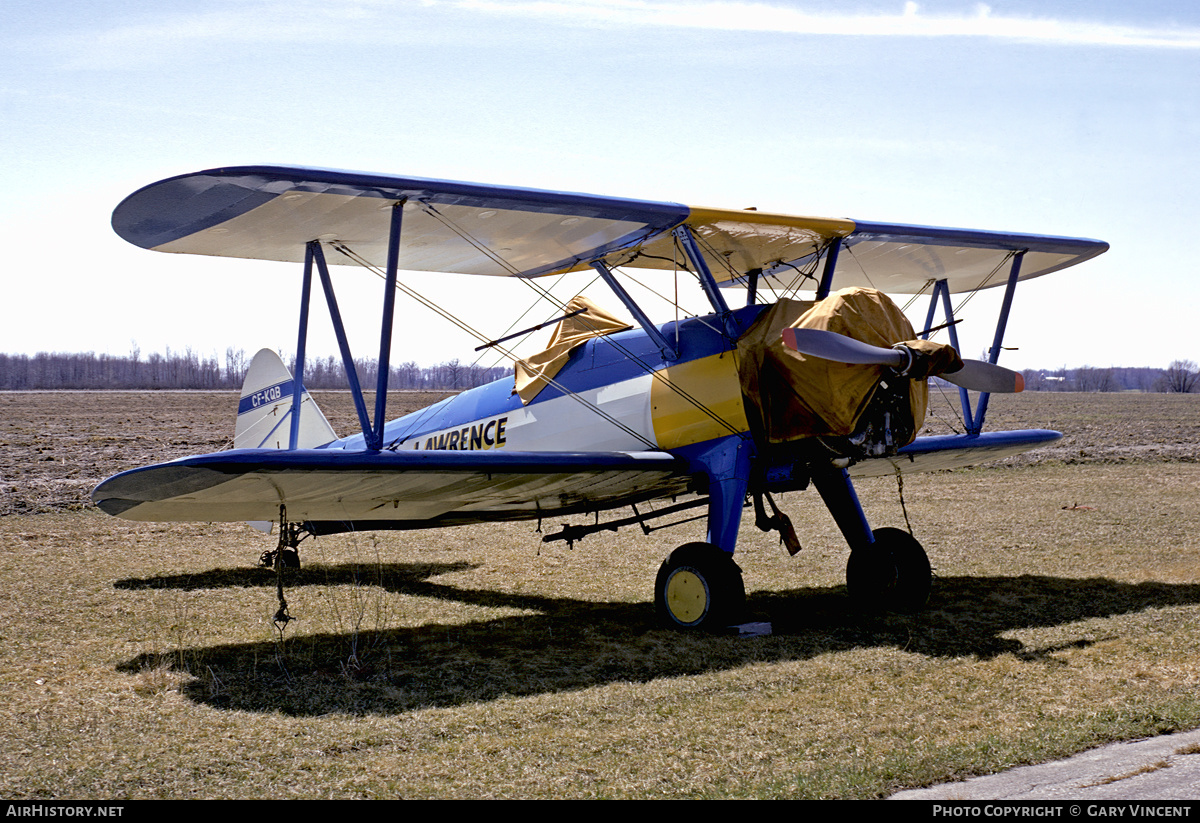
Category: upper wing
<point>891,257</point>
<point>401,489</point>
<point>901,259</point>
<point>271,212</point>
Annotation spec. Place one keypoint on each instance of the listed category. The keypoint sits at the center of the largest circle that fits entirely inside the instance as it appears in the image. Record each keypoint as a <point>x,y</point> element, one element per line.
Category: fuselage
<point>615,393</point>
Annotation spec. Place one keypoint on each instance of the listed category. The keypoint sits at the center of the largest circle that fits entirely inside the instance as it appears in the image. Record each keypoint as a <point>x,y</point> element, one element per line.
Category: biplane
<point>814,378</point>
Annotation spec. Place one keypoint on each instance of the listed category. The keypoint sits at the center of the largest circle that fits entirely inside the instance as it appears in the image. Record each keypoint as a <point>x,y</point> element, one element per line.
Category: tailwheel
<point>699,587</point>
<point>892,573</point>
<point>285,555</point>
<point>288,558</point>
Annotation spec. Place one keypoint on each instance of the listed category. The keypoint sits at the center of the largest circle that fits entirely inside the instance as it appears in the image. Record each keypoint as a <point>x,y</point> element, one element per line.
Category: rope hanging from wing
<point>802,275</point>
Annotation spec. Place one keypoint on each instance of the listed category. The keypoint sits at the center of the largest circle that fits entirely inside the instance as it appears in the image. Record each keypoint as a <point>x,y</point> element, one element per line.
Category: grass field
<point>139,660</point>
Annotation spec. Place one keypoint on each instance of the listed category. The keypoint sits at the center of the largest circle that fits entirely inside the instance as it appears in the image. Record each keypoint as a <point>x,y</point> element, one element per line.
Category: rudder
<point>264,419</point>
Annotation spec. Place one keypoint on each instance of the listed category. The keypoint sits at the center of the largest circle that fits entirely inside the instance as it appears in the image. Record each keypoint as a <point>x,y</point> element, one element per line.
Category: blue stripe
<point>264,397</point>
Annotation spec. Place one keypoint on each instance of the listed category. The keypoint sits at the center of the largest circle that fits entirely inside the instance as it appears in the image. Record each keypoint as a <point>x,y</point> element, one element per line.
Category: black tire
<point>892,573</point>
<point>699,587</point>
<point>914,575</point>
<point>288,558</point>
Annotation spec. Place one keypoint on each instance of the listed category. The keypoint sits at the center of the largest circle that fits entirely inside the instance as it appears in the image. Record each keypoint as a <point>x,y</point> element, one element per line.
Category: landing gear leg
<point>699,586</point>
<point>888,568</point>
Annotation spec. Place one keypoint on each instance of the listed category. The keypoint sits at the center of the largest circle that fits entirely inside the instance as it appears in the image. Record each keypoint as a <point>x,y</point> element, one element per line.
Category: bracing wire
<point>657,375</point>
<point>849,249</point>
<point>954,409</point>
<point>352,255</point>
<point>983,283</point>
<point>562,306</point>
<point>689,315</point>
<point>957,311</point>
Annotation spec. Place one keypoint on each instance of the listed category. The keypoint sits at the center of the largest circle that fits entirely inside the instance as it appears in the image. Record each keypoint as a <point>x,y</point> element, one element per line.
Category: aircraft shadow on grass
<point>569,644</point>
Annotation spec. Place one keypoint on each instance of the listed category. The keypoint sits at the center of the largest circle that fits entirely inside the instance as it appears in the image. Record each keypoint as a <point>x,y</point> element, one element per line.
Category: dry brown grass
<point>139,659</point>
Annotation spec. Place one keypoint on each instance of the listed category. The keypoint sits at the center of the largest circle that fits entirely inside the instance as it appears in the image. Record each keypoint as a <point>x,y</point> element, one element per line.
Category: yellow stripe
<point>711,381</point>
<point>827,227</point>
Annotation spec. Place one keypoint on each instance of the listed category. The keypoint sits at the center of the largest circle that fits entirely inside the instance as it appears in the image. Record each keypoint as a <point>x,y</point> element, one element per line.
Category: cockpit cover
<point>534,373</point>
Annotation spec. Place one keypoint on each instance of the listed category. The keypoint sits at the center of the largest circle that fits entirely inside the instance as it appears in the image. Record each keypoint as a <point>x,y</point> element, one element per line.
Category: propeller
<point>974,374</point>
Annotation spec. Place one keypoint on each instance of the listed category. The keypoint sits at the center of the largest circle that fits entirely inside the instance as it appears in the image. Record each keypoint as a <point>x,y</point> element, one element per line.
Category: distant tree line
<point>189,370</point>
<point>328,373</point>
<point>1181,376</point>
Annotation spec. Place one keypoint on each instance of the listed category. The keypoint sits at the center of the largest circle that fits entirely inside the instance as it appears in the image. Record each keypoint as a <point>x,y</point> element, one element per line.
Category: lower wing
<point>339,490</point>
<point>954,451</point>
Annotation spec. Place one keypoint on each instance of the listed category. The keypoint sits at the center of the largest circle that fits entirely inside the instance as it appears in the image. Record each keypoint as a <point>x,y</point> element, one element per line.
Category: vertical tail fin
<point>264,418</point>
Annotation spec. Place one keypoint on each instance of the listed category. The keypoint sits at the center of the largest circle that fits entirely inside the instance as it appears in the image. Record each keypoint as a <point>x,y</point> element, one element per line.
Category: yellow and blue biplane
<point>711,411</point>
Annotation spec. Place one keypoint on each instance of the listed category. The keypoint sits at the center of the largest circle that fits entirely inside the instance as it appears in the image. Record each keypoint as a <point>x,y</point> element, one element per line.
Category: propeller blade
<point>979,375</point>
<point>838,347</point>
<point>975,375</point>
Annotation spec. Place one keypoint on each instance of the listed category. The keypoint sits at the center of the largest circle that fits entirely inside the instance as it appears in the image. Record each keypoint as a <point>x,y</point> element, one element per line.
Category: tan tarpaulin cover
<point>798,396</point>
<point>534,374</point>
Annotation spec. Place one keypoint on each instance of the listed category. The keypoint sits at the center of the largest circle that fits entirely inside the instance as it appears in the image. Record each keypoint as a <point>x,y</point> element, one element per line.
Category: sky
<point>1065,118</point>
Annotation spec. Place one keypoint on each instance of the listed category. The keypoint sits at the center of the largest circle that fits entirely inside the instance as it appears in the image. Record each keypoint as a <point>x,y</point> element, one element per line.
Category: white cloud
<point>909,21</point>
<point>318,25</point>
<point>160,36</point>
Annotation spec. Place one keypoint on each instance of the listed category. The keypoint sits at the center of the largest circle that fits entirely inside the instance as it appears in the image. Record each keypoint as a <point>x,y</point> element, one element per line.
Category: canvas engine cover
<point>798,396</point>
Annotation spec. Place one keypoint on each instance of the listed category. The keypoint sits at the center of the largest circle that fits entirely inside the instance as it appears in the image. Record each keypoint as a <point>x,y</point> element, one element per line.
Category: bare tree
<point>454,373</point>
<point>1182,376</point>
<point>235,366</point>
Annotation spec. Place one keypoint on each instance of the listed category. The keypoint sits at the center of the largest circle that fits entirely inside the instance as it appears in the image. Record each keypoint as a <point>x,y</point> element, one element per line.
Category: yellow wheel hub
<point>687,596</point>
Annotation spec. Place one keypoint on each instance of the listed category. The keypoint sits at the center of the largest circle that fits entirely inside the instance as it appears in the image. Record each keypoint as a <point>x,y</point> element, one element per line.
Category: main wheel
<point>892,573</point>
<point>699,587</point>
